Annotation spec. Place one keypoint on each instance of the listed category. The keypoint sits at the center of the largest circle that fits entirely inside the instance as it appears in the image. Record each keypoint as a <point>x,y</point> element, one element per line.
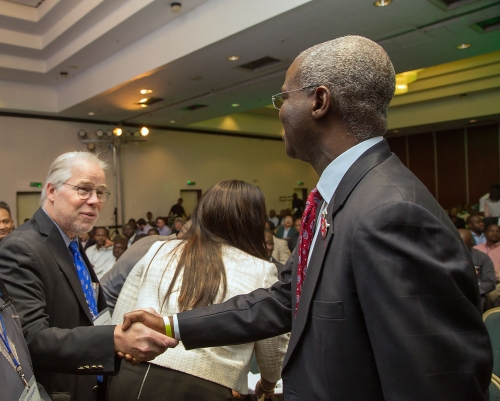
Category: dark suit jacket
<point>389,308</point>
<point>281,230</point>
<point>66,349</point>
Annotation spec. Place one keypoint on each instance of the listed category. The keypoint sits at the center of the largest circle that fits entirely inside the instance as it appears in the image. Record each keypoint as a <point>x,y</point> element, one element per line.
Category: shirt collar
<point>67,240</point>
<point>335,171</point>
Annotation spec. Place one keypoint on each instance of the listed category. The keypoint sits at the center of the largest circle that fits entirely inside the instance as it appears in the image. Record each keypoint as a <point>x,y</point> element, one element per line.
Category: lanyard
<point>11,356</point>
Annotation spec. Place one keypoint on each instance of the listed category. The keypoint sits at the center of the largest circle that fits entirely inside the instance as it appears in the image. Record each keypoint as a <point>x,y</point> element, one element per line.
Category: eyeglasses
<point>278,98</point>
<point>85,192</point>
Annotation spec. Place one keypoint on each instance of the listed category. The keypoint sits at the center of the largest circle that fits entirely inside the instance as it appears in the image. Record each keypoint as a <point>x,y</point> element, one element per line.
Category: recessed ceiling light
<point>117,131</point>
<point>402,86</point>
<point>235,105</point>
<point>176,7</point>
<point>146,91</point>
<point>144,131</point>
<point>233,58</point>
<point>382,3</point>
<point>472,121</point>
<point>144,105</point>
<point>90,113</point>
<point>143,100</point>
<point>464,46</point>
<point>172,121</point>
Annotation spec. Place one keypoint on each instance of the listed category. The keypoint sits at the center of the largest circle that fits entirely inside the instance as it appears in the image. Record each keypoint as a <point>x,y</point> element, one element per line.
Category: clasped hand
<point>142,337</point>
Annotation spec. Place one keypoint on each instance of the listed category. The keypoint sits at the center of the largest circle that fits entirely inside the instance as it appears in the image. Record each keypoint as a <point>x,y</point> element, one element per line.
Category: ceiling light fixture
<point>382,3</point>
<point>90,113</point>
<point>472,121</point>
<point>233,58</point>
<point>172,121</point>
<point>82,133</point>
<point>235,105</point>
<point>176,7</point>
<point>146,91</point>
<point>143,100</point>
<point>117,131</point>
<point>144,105</point>
<point>144,131</point>
<point>464,46</point>
<point>109,133</point>
<point>99,133</point>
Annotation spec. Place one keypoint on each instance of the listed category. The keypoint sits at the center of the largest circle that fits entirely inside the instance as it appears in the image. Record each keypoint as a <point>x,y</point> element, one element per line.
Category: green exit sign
<point>36,184</point>
<point>191,183</point>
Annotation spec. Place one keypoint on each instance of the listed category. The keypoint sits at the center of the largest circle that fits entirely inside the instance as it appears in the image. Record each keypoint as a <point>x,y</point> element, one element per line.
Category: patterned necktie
<point>84,278</point>
<point>305,239</point>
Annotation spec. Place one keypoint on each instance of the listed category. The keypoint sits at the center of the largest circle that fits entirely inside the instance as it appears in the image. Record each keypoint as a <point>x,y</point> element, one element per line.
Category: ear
<point>322,102</point>
<point>51,191</point>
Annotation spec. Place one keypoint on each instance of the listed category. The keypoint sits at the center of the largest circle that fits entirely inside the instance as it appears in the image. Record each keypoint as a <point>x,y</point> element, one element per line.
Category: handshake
<point>142,337</point>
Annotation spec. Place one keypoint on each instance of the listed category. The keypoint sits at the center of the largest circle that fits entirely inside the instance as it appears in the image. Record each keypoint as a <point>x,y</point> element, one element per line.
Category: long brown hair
<point>230,213</point>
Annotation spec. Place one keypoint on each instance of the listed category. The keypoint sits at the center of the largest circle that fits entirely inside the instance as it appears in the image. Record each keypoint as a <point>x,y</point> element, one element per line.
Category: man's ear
<point>51,191</point>
<point>322,102</point>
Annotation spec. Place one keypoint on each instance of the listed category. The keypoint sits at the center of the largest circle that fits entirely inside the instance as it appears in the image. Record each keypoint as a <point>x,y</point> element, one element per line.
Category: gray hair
<point>60,170</point>
<point>360,77</point>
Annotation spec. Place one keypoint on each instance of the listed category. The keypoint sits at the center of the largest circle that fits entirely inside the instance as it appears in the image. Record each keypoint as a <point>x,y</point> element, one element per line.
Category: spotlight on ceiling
<point>144,131</point>
<point>82,134</point>
<point>91,147</point>
<point>109,133</point>
<point>464,46</point>
<point>99,133</point>
<point>117,131</point>
<point>176,7</point>
<point>146,91</point>
<point>233,58</point>
<point>128,134</point>
<point>382,3</point>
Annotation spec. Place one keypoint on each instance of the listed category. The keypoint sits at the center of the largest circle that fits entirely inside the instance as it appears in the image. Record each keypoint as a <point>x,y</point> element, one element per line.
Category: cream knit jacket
<point>147,285</point>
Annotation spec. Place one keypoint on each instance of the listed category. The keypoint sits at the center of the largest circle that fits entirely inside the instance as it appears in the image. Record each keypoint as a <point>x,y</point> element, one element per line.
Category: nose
<point>93,200</point>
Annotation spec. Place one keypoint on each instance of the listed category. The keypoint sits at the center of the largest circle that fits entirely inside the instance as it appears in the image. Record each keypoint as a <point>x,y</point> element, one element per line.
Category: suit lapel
<point>368,160</point>
<point>61,254</point>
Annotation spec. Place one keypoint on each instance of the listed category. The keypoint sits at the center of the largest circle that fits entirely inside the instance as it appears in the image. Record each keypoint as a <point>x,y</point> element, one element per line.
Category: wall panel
<point>398,146</point>
<point>421,159</point>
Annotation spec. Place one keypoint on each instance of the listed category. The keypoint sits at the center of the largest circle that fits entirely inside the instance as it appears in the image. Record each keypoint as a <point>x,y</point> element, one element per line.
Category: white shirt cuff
<point>176,332</point>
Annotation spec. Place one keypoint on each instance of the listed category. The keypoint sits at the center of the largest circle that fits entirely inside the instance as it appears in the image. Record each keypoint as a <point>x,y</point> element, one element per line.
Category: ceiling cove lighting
<point>144,131</point>
<point>146,91</point>
<point>233,58</point>
<point>464,46</point>
<point>382,3</point>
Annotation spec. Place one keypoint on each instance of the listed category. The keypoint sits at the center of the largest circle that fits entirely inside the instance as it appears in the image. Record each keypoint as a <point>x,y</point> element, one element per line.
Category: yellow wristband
<point>168,330</point>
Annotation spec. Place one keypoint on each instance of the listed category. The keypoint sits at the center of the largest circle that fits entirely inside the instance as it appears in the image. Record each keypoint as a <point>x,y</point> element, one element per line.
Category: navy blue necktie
<point>84,278</point>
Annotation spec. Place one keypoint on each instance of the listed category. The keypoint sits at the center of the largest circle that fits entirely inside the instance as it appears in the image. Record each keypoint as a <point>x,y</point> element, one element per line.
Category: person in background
<point>144,227</point>
<point>56,291</point>
<point>119,247</point>
<point>222,255</point>
<point>286,230</point>
<point>484,267</point>
<point>177,210</point>
<point>273,218</point>
<point>457,221</point>
<point>101,258</point>
<point>297,205</point>
<point>492,206</point>
<point>86,241</point>
<point>294,238</point>
<point>129,233</point>
<point>268,236</point>
<point>149,219</point>
<point>475,225</point>
<point>153,231</point>
<point>162,227</point>
<point>281,252</point>
<point>178,223</point>
<point>6,222</point>
<point>492,246</point>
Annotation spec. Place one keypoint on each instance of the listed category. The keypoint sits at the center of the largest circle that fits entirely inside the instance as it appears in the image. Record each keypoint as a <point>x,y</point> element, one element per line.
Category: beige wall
<point>153,173</point>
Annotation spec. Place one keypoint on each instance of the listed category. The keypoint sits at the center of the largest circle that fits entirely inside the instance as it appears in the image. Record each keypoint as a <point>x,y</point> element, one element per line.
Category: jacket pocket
<point>291,396</point>
<point>328,310</point>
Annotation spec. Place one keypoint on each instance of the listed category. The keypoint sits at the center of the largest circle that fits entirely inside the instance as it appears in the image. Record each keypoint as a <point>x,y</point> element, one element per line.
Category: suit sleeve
<point>242,319</point>
<point>487,279</point>
<point>52,349</point>
<point>418,292</point>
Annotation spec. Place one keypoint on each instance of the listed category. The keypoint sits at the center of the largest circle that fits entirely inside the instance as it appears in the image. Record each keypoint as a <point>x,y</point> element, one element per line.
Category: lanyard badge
<point>10,354</point>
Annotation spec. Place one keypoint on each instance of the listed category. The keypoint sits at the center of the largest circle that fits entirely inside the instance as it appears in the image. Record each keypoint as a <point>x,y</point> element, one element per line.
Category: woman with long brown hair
<point>222,255</point>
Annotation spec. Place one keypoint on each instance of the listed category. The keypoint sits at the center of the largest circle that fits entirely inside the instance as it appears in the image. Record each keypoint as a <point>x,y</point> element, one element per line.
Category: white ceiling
<point>110,49</point>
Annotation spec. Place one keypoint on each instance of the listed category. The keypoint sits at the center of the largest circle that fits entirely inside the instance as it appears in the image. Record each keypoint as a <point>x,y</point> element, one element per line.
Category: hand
<point>259,391</point>
<point>236,395</point>
<point>108,243</point>
<point>141,343</point>
<point>154,321</point>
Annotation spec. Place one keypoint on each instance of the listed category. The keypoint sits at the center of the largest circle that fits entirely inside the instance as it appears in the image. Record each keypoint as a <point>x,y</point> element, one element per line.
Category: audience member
<point>178,223</point>
<point>382,300</point>
<point>457,221</point>
<point>6,222</point>
<point>86,241</point>
<point>273,218</point>
<point>294,238</point>
<point>177,210</point>
<point>492,204</point>
<point>153,231</point>
<point>162,227</point>
<point>492,246</point>
<point>281,252</point>
<point>101,257</point>
<point>138,237</point>
<point>476,227</point>
<point>12,382</point>
<point>484,267</point>
<point>222,256</point>
<point>286,230</point>
<point>133,222</point>
<point>119,247</point>
<point>269,238</point>
<point>297,205</point>
<point>149,219</point>
<point>143,226</point>
<point>281,217</point>
<point>482,201</point>
<point>129,233</point>
<point>55,289</point>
